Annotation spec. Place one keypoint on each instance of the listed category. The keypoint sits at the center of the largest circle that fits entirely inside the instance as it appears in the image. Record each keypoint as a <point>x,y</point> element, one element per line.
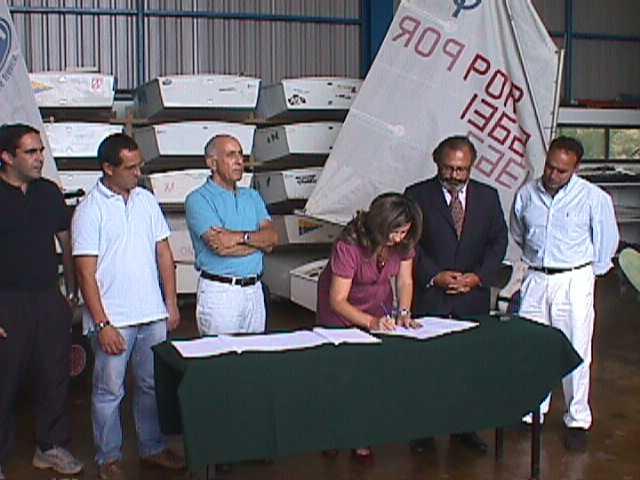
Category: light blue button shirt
<point>576,226</point>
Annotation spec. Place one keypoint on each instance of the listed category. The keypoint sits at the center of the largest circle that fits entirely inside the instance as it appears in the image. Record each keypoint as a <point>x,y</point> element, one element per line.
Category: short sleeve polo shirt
<point>123,236</point>
<point>28,222</point>
<point>242,210</point>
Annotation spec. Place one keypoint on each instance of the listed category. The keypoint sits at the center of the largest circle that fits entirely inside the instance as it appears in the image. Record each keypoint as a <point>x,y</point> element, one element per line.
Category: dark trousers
<point>36,350</point>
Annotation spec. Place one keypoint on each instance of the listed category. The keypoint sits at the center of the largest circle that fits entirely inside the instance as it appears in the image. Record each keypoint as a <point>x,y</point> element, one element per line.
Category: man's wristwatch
<point>246,238</point>
<point>404,312</point>
<point>102,325</point>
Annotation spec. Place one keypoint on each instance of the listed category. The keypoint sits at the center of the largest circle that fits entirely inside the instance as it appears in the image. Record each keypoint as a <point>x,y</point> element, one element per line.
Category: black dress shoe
<point>362,454</point>
<point>421,445</point>
<point>575,439</point>
<point>524,427</point>
<point>472,441</point>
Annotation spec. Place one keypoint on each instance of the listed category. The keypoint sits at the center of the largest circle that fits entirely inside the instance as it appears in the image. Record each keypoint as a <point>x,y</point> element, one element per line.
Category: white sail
<point>17,101</point>
<point>487,69</point>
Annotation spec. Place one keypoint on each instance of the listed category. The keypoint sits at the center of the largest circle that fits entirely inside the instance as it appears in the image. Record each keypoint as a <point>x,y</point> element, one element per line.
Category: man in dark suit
<point>464,239</point>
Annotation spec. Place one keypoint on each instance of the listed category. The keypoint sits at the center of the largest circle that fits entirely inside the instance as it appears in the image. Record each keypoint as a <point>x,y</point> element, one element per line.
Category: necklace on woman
<point>381,258</point>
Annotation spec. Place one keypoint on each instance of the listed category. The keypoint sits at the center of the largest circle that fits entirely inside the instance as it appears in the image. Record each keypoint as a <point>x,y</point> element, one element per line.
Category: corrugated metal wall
<point>606,70</point>
<point>551,12</point>
<point>601,69</point>
<point>271,50</point>
<point>610,68</point>
<point>54,41</point>
<point>620,17</point>
<point>268,49</point>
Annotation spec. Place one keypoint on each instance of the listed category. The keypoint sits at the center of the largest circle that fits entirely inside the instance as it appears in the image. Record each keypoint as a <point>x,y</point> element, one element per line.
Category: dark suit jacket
<point>480,249</point>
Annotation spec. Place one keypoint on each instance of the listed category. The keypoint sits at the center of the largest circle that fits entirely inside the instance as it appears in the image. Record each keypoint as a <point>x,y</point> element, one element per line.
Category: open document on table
<point>210,346</point>
<point>274,342</point>
<point>431,327</point>
<point>345,335</point>
<point>202,347</point>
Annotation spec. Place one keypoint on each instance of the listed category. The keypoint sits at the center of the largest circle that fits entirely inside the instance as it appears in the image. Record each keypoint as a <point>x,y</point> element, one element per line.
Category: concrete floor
<point>614,441</point>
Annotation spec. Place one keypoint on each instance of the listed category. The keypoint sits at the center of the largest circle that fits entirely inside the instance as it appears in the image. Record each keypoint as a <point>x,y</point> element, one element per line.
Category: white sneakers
<point>57,459</point>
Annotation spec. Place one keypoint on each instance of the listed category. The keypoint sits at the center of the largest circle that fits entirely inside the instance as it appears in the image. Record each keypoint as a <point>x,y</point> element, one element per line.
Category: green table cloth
<point>264,405</point>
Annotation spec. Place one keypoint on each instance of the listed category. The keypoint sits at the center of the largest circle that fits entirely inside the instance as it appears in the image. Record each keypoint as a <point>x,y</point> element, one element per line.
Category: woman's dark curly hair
<point>388,212</point>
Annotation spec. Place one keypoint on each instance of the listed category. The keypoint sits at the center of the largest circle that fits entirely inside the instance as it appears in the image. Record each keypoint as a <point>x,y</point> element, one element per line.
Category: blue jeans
<point>109,376</point>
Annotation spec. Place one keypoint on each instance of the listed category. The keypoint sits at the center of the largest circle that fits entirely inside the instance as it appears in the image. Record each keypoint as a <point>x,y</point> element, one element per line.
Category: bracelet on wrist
<point>102,325</point>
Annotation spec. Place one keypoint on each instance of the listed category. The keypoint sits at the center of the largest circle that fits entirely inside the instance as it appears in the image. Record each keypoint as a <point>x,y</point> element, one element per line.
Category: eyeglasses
<point>448,169</point>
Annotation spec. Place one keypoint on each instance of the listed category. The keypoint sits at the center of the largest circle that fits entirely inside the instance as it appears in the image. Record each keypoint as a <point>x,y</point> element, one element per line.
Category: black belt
<point>553,271</point>
<point>240,281</point>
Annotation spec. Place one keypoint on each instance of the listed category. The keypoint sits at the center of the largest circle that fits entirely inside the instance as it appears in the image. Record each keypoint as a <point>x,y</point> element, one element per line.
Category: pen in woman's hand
<point>390,324</point>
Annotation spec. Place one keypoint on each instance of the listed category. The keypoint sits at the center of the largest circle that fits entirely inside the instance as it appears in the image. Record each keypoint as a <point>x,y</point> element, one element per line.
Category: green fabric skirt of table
<point>264,405</point>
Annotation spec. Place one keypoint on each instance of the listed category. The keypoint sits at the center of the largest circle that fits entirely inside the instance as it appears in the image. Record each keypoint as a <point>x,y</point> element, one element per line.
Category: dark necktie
<point>457,211</point>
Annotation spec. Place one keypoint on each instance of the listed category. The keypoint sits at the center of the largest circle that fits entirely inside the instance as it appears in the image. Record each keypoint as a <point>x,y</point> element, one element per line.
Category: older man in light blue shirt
<point>567,230</point>
<point>230,230</point>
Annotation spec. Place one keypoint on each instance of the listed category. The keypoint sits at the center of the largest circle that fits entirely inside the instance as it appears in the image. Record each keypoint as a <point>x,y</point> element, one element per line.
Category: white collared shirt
<point>123,236</point>
<point>574,227</point>
<point>462,194</point>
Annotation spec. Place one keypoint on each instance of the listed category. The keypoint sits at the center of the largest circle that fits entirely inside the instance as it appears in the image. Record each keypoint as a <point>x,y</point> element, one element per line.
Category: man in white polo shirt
<point>120,243</point>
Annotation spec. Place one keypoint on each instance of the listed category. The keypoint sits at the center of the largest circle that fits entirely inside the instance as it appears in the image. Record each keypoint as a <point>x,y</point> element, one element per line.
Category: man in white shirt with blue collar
<point>567,230</point>
<point>121,250</point>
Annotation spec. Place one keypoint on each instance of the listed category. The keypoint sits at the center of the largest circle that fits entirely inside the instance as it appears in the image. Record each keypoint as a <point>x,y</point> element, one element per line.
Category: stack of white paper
<point>431,327</point>
<point>274,342</point>
<point>201,347</point>
<point>345,335</point>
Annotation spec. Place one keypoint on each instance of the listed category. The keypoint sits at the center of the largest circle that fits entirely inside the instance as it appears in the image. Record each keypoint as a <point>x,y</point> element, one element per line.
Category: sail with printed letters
<point>486,69</point>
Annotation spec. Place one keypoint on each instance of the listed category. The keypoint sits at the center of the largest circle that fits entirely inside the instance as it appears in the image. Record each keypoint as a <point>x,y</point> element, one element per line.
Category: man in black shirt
<point>35,319</point>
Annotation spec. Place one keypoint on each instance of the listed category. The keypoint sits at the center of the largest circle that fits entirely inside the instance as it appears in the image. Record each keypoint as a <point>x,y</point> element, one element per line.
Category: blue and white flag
<point>17,101</point>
